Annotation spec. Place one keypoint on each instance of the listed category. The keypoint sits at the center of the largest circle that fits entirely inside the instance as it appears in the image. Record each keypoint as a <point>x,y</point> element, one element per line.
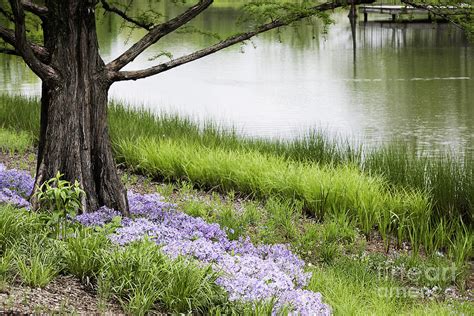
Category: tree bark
<point>74,136</point>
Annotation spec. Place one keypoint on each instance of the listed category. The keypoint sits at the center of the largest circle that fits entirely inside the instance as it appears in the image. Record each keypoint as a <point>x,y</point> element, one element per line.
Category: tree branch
<point>45,72</point>
<point>432,9</point>
<point>123,15</point>
<point>34,8</point>
<point>139,74</point>
<point>156,33</point>
<point>9,37</point>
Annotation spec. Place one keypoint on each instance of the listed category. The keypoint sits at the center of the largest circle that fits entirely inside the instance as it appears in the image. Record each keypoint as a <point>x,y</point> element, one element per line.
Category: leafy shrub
<point>62,200</point>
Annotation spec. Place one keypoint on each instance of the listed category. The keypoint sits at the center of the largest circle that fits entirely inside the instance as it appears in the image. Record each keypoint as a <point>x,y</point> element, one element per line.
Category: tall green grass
<point>324,190</point>
<point>448,178</point>
<point>424,199</point>
<point>129,123</point>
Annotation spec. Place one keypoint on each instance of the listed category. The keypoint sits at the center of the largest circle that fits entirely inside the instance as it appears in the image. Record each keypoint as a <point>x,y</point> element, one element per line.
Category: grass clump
<point>15,223</point>
<point>140,276</point>
<point>82,255</point>
<point>11,142</point>
<point>6,263</point>
<point>37,263</point>
<point>24,249</point>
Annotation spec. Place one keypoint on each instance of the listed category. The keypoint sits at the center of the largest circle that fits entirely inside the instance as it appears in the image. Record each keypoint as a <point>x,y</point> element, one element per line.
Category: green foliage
<point>448,179</point>
<point>322,190</point>
<point>6,264</point>
<point>15,223</point>
<point>462,244</point>
<point>265,11</point>
<point>82,255</point>
<point>140,276</point>
<point>338,229</point>
<point>233,222</point>
<point>460,12</point>
<point>36,271</point>
<point>247,309</point>
<point>327,252</point>
<point>145,280</point>
<point>11,142</point>
<point>411,182</point>
<point>37,260</point>
<point>195,208</point>
<point>282,216</point>
<point>62,200</point>
<point>191,288</point>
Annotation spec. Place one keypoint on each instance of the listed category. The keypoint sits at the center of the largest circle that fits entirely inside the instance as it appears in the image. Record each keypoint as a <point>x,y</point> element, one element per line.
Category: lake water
<point>409,81</point>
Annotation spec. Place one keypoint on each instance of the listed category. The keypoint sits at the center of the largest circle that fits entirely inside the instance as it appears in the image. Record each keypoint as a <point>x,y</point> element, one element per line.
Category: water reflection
<point>372,81</point>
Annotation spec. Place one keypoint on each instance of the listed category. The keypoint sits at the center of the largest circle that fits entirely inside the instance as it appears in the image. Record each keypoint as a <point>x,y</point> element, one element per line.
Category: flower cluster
<point>248,272</point>
<point>102,216</point>
<point>15,186</point>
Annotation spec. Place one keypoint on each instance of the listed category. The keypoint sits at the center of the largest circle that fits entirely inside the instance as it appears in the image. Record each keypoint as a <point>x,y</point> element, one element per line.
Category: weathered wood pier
<point>396,10</point>
<point>393,10</point>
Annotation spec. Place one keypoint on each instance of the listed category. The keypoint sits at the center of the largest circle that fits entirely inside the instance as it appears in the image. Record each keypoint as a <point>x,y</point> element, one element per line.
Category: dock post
<point>394,17</point>
<point>352,12</point>
<point>365,17</point>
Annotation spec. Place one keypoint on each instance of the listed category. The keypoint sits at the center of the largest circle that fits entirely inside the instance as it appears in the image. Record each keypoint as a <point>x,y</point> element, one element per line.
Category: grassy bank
<point>393,189</point>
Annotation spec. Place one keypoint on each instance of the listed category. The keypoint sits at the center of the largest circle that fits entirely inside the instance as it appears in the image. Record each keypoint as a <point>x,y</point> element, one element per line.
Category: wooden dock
<point>397,10</point>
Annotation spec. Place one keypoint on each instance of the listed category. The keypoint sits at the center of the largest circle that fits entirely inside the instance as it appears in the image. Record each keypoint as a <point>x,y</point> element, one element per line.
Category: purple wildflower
<point>15,187</point>
<point>16,180</point>
<point>249,273</point>
<point>11,197</point>
<point>102,216</point>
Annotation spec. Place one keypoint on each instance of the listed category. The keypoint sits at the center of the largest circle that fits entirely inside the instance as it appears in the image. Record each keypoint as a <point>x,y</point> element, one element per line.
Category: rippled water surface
<point>411,81</point>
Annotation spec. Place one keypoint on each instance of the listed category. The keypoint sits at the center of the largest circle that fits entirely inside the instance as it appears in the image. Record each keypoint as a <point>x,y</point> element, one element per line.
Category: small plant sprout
<point>62,200</point>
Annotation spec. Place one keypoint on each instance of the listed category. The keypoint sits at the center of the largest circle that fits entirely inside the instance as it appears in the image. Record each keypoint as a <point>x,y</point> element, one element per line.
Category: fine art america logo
<point>414,276</point>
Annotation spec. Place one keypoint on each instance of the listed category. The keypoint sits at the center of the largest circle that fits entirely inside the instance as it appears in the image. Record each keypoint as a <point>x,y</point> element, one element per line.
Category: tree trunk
<point>74,137</point>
